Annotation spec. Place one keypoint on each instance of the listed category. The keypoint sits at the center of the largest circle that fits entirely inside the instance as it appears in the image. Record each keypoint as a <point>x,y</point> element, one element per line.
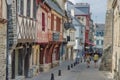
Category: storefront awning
<point>89,43</point>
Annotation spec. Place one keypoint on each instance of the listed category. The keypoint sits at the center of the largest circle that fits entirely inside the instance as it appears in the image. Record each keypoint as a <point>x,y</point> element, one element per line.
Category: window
<point>20,6</point>
<point>97,42</point>
<point>97,34</point>
<point>28,7</point>
<point>102,33</point>
<point>101,42</point>
<point>43,22</point>
<point>68,38</point>
<point>71,36</point>
<point>34,9</point>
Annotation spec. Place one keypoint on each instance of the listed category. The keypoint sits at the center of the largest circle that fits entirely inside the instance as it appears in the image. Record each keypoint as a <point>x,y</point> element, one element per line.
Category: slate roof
<point>69,26</point>
<point>77,22</point>
<point>82,9</point>
<point>100,27</point>
<point>54,5</point>
<point>70,2</point>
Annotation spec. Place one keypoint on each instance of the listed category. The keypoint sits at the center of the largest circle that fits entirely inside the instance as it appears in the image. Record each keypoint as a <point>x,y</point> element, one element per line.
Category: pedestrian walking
<point>88,60</point>
<point>96,57</point>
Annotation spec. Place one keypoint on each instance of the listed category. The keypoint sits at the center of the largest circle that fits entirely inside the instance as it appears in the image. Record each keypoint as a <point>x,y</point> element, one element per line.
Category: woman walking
<point>88,60</point>
<point>96,57</point>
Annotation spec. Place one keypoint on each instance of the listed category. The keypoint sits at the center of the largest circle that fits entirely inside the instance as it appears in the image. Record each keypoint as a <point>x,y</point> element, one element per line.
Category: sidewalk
<point>47,75</point>
<point>79,72</point>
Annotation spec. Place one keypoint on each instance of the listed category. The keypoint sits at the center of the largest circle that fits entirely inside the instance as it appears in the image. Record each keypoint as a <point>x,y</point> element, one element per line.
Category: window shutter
<point>58,24</point>
<point>52,21</point>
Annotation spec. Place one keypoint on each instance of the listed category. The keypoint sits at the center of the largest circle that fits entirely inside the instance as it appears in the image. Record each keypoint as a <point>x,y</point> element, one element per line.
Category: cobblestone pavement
<point>78,72</point>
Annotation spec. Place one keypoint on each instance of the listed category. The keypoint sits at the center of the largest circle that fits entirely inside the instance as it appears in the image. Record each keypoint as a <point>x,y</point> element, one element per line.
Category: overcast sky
<point>98,9</point>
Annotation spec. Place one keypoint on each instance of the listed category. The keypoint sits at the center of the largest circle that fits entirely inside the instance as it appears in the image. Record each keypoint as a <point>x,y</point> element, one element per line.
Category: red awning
<point>89,43</point>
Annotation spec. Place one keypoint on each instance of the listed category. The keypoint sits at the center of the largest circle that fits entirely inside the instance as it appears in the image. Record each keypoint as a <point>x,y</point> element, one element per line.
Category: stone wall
<point>2,51</point>
<point>106,63</point>
<point>108,28</point>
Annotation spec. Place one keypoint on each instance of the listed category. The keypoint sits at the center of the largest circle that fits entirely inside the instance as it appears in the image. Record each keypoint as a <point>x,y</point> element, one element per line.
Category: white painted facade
<point>99,37</point>
<point>79,35</point>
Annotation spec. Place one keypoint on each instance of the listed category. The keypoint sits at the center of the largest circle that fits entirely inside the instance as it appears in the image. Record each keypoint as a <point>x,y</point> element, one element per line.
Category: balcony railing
<point>26,28</point>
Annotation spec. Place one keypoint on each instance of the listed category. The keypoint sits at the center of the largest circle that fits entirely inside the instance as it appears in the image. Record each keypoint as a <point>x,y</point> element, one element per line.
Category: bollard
<point>52,76</point>
<point>59,73</point>
<point>74,63</point>
<point>68,67</point>
<point>71,65</point>
<point>81,61</point>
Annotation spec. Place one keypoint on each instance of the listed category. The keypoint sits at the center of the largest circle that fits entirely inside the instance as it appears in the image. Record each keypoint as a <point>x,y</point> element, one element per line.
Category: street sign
<point>56,36</point>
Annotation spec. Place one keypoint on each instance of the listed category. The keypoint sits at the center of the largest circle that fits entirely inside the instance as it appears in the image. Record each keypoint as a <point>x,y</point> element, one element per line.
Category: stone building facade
<point>108,39</point>
<point>49,33</point>
<point>3,43</point>
<point>116,39</point>
<point>21,37</point>
<point>99,37</point>
<point>111,58</point>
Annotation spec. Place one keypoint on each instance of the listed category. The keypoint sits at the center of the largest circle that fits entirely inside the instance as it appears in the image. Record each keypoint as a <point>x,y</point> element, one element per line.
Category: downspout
<point>7,44</point>
<point>112,32</point>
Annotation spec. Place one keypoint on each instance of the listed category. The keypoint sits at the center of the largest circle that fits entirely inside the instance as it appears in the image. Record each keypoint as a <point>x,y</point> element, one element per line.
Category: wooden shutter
<point>58,22</point>
<point>52,21</point>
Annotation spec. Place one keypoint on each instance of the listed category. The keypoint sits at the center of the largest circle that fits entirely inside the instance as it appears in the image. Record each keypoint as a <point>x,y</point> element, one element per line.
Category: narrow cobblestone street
<point>78,72</point>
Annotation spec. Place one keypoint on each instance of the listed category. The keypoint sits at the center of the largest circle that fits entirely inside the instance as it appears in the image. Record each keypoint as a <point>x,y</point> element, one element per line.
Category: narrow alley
<point>77,72</point>
<point>47,39</point>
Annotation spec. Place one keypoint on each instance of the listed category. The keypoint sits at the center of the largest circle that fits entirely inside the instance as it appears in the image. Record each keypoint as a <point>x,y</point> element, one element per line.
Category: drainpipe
<point>112,31</point>
<point>7,45</point>
<point>7,52</point>
<point>8,56</point>
<point>112,28</point>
